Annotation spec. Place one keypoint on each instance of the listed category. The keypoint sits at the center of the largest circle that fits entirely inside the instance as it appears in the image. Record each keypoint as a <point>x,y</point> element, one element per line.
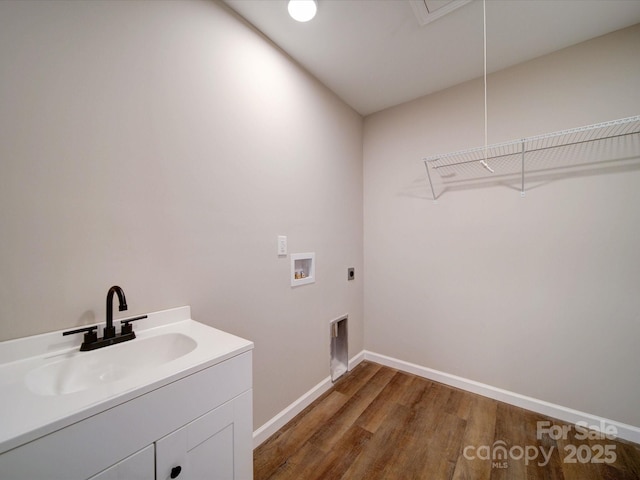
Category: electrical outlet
<point>351,273</point>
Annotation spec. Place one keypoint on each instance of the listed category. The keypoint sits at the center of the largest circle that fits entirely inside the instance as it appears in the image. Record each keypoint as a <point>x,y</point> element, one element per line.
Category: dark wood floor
<point>379,423</point>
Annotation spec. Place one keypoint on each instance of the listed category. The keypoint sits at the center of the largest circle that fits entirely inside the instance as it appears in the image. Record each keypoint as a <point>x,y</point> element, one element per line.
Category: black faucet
<point>91,340</point>
<point>110,330</point>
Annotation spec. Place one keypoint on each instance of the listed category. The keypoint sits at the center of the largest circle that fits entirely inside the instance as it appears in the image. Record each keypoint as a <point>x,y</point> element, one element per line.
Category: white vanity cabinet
<point>195,424</point>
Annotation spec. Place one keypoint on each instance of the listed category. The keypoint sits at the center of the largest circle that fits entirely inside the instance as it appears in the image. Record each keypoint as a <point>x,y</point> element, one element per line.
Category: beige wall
<point>163,146</point>
<point>537,295</point>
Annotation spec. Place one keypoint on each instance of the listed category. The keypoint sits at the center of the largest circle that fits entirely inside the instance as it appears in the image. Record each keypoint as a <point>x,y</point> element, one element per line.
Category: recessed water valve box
<point>303,268</point>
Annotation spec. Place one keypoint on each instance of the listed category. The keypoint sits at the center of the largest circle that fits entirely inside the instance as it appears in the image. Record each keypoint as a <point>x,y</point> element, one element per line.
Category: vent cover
<point>427,11</point>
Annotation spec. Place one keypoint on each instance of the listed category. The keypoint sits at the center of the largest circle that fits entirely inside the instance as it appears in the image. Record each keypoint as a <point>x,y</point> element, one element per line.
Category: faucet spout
<point>110,330</point>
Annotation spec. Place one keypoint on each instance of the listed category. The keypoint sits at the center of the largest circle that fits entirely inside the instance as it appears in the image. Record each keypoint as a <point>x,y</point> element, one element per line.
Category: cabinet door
<point>139,466</point>
<point>215,446</point>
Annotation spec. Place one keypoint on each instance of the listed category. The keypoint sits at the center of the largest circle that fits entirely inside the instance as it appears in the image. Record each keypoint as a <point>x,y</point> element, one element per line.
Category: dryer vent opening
<point>339,348</point>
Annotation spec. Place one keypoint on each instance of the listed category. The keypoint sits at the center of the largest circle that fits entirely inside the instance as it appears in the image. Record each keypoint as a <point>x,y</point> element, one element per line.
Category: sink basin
<point>78,371</point>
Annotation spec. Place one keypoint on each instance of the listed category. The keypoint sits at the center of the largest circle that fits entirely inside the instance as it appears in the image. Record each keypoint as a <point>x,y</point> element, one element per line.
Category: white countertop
<point>26,416</point>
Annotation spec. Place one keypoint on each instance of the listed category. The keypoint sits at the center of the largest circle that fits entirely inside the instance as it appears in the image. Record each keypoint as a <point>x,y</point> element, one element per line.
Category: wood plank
<point>354,380</point>
<point>548,464</point>
<point>330,431</point>
<point>627,459</point>
<point>271,454</point>
<point>377,411</point>
<point>433,448</point>
<point>302,463</point>
<point>572,468</point>
<point>343,453</point>
<point>416,390</point>
<point>480,431</point>
<point>382,447</point>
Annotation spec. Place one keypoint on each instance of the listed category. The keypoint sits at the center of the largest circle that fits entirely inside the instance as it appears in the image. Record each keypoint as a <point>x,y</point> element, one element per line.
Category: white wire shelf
<point>538,153</point>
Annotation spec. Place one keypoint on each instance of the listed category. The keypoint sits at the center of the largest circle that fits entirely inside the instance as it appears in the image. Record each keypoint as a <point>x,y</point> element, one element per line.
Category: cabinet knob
<point>175,471</point>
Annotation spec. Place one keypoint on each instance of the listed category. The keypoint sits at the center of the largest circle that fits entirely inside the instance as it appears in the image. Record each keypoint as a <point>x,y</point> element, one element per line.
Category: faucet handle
<point>90,336</point>
<point>126,324</point>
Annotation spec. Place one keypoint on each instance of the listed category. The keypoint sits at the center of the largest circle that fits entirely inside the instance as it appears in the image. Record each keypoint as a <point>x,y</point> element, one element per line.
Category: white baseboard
<point>624,431</point>
<point>356,360</point>
<point>281,419</point>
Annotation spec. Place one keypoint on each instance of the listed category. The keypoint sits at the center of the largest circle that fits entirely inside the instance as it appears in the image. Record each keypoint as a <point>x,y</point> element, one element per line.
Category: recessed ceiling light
<point>302,10</point>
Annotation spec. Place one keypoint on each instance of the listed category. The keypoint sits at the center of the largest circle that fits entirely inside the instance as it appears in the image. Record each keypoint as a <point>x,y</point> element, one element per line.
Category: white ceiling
<point>375,54</point>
